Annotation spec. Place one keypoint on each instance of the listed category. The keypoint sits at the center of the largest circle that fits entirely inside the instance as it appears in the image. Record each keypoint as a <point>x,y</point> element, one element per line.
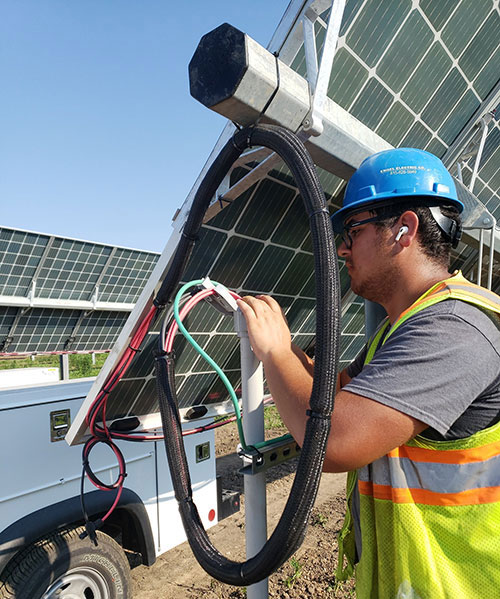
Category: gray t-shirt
<point>441,366</point>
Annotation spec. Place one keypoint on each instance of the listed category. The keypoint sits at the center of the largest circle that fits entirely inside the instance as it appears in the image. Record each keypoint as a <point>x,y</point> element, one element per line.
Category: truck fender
<point>64,513</point>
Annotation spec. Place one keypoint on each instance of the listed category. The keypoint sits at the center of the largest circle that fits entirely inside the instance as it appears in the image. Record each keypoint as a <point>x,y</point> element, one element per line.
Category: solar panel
<point>59,294</point>
<point>415,73</point>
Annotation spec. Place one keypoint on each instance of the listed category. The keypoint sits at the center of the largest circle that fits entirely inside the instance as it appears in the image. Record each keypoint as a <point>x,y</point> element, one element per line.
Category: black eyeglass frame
<point>346,237</point>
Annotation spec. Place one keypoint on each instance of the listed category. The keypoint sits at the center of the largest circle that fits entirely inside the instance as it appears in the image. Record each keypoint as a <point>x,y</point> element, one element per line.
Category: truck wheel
<point>63,566</point>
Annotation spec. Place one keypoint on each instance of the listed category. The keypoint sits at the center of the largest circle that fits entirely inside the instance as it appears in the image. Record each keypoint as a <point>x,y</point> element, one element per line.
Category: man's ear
<point>407,227</point>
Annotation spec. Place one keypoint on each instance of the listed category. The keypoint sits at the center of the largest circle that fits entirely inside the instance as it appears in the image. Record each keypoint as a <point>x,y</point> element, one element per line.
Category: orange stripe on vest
<point>469,497</point>
<point>448,456</point>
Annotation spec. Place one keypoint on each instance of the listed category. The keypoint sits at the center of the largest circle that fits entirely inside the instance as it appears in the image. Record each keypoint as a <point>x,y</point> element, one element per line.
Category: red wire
<point>168,345</point>
<point>99,404</point>
<point>120,368</point>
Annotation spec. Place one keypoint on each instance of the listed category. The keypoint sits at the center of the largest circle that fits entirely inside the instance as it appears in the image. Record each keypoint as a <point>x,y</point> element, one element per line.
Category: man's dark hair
<point>435,243</point>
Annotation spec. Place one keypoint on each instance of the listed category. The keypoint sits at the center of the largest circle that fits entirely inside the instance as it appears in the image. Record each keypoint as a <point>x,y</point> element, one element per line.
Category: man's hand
<point>267,327</point>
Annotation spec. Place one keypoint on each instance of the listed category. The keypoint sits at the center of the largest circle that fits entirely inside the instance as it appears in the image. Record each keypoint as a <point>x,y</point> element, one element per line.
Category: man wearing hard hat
<point>416,418</point>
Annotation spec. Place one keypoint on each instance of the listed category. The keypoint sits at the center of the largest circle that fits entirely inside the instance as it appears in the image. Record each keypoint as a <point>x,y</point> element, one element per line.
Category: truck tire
<point>63,566</point>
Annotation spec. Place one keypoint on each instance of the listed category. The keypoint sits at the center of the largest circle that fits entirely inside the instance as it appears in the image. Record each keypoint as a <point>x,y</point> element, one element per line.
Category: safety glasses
<point>346,235</point>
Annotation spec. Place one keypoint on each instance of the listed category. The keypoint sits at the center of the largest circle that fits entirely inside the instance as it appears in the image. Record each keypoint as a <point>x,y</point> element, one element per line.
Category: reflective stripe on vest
<point>457,479</point>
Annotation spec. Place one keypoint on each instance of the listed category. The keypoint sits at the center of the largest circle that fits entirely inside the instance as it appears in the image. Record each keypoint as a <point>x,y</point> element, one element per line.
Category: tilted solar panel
<point>413,72</point>
<point>59,294</point>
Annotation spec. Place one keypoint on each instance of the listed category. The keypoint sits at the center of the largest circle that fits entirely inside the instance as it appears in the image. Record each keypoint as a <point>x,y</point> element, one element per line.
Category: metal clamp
<point>260,460</point>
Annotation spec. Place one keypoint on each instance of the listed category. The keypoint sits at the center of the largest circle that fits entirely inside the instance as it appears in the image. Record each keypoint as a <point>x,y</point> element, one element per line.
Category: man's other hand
<point>267,327</point>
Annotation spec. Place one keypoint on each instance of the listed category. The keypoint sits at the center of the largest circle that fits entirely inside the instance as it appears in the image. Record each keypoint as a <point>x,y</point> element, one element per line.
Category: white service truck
<point>41,553</point>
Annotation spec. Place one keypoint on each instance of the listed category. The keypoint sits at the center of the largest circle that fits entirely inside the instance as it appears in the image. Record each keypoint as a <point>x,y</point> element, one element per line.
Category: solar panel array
<point>415,73</point>
<point>63,272</point>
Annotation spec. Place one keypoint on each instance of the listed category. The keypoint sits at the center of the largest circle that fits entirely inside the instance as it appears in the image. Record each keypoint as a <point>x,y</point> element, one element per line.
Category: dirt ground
<point>308,574</point>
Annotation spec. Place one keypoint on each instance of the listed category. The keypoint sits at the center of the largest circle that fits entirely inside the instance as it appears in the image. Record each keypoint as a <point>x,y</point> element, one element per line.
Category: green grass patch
<point>272,418</point>
<point>80,365</point>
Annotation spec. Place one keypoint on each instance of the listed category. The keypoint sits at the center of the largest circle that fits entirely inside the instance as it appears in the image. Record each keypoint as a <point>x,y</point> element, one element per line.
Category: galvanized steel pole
<point>252,394</point>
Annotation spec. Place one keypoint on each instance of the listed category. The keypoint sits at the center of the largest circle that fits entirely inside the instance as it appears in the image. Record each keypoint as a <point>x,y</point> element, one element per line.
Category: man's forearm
<point>289,377</point>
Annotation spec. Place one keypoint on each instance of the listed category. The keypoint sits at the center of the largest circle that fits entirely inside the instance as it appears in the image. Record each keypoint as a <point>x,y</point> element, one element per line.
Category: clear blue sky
<point>99,137</point>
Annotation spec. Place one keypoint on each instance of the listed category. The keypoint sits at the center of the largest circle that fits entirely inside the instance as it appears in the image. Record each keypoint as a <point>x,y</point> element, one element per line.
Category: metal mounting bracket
<point>260,460</point>
<point>318,77</point>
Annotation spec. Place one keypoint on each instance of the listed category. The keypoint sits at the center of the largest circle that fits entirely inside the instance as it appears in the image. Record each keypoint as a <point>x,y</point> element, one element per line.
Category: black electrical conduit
<point>290,530</point>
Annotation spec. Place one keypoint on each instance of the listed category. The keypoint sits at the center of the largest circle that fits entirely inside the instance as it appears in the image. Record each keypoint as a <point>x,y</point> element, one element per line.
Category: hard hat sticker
<point>402,170</point>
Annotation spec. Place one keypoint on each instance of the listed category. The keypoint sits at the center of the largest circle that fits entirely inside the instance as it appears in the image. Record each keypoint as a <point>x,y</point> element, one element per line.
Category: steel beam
<point>278,95</point>
<point>16,301</point>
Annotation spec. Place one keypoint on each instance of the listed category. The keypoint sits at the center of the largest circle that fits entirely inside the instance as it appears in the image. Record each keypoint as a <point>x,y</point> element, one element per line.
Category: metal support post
<point>484,134</point>
<point>480,256</point>
<point>492,254</point>
<point>319,76</point>
<point>64,366</point>
<point>374,314</point>
<point>252,390</point>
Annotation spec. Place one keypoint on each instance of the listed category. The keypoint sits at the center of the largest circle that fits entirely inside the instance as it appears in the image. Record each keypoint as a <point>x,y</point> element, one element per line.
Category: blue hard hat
<point>399,174</point>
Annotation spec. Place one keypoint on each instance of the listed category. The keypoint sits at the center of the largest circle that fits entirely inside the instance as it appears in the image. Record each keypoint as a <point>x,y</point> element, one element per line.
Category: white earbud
<point>401,232</point>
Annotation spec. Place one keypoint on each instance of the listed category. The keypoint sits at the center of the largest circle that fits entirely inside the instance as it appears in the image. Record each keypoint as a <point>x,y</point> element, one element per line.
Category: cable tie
<point>221,199</point>
<point>321,211</point>
<point>235,145</point>
<point>318,415</point>
<point>164,355</point>
<point>193,238</point>
<point>134,349</point>
<point>161,305</point>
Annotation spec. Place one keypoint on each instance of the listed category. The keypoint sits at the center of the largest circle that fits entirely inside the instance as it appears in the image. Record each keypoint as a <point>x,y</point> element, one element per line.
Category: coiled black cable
<point>290,530</point>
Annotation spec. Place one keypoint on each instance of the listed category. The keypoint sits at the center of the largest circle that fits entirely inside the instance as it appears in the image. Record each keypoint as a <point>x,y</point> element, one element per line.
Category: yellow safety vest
<point>429,510</point>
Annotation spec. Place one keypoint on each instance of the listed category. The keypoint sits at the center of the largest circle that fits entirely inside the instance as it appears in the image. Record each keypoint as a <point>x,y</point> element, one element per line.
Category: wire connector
<point>222,300</point>
<point>90,530</point>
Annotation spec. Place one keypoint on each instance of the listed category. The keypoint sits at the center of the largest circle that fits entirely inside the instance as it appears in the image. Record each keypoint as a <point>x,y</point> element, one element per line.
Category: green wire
<point>217,368</point>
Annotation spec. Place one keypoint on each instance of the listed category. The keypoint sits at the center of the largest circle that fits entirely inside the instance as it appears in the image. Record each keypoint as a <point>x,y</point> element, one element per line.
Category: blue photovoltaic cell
<point>395,124</point>
<point>36,266</point>
<point>438,12</point>
<point>454,123</point>
<point>20,254</point>
<point>444,100</point>
<point>347,78</point>
<point>464,23</point>
<point>366,110</point>
<point>382,20</point>
<point>405,52</point>
<point>71,270</point>
<point>126,275</point>
<point>426,79</point>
